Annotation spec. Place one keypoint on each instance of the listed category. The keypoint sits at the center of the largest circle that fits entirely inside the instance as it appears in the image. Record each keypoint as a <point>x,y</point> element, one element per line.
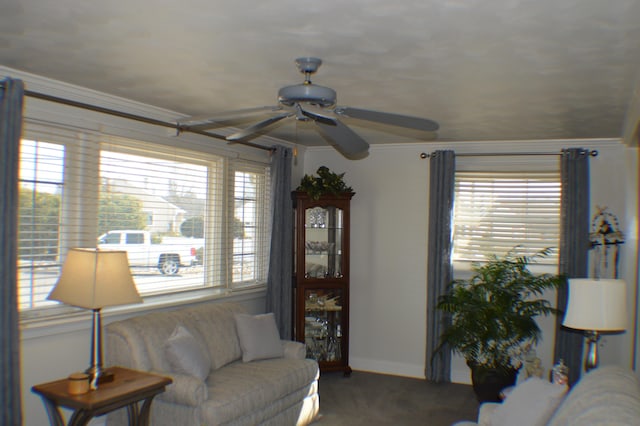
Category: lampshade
<point>596,304</point>
<point>93,279</point>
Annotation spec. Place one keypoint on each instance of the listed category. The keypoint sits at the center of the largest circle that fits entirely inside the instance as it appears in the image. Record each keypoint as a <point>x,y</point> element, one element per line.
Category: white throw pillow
<point>186,355</point>
<point>531,403</point>
<point>259,336</point>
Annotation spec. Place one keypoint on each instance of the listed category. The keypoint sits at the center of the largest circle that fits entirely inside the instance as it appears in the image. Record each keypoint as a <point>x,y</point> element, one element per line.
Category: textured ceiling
<point>485,70</point>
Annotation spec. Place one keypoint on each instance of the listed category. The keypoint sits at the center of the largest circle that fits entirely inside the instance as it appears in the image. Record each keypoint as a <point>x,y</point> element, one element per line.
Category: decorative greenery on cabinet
<point>326,183</point>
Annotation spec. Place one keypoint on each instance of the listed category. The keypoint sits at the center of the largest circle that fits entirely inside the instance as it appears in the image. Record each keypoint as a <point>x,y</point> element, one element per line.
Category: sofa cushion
<point>252,387</point>
<point>531,403</point>
<point>186,355</point>
<point>215,323</point>
<point>259,336</point>
<point>186,390</point>
<point>147,334</point>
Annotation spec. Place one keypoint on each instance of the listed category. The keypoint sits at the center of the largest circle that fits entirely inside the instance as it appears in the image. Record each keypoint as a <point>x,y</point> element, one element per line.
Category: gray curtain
<point>439,269</point>
<point>574,249</point>
<point>11,102</point>
<point>279,287</point>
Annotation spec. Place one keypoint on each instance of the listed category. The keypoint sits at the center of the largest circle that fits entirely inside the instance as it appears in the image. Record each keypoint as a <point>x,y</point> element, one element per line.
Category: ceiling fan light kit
<point>311,102</point>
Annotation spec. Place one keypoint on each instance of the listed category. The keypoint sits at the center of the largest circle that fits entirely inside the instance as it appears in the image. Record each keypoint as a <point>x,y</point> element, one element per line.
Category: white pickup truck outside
<point>167,257</point>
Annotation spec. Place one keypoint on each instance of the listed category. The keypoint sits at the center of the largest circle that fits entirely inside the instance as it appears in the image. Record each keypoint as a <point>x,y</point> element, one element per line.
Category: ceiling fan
<point>311,102</point>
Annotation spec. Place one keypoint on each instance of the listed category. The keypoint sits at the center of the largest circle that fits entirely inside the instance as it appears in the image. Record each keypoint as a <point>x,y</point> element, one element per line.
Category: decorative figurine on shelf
<point>535,369</point>
<point>605,237</point>
<point>560,373</point>
<point>532,364</point>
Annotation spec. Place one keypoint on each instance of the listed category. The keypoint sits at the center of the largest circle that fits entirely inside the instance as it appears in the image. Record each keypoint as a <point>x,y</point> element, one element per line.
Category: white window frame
<point>262,222</point>
<point>221,184</point>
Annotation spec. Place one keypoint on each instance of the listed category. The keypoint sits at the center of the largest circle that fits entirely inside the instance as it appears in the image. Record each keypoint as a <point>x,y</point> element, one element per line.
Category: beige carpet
<point>374,399</point>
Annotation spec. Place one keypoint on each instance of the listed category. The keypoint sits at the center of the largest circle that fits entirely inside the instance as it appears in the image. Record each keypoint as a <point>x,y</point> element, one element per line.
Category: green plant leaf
<point>326,183</point>
<point>492,314</point>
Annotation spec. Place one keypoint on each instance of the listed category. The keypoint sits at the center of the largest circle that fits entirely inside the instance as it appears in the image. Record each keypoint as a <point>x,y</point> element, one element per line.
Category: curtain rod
<point>423,155</point>
<point>179,128</point>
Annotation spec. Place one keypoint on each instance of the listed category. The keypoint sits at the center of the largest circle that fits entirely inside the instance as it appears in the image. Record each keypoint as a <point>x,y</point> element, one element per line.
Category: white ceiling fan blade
<point>203,122</point>
<point>347,141</point>
<point>316,114</point>
<point>258,126</point>
<point>389,118</point>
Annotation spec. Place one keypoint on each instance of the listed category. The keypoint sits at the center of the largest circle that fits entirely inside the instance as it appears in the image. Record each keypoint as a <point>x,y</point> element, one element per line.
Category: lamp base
<point>591,360</point>
<point>98,378</point>
<point>106,377</point>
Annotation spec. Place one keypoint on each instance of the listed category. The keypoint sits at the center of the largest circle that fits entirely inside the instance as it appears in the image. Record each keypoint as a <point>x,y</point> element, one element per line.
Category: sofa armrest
<point>185,390</point>
<point>485,413</point>
<point>294,350</point>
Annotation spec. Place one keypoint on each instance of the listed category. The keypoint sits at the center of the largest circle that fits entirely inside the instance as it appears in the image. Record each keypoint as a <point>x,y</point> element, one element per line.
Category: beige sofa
<point>608,395</point>
<point>280,390</point>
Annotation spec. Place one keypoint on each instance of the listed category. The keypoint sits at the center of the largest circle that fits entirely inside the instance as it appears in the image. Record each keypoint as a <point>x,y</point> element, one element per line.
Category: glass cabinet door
<point>323,324</point>
<point>321,277</point>
<point>323,242</point>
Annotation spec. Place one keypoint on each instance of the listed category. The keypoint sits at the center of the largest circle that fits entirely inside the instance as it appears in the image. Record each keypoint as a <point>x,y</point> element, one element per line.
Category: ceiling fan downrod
<point>308,66</point>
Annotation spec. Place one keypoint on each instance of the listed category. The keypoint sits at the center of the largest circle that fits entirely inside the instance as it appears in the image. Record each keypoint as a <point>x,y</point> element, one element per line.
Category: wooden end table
<point>127,389</point>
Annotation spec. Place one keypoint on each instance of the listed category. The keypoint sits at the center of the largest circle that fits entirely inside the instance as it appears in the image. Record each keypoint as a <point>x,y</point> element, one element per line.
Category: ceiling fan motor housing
<point>307,93</point>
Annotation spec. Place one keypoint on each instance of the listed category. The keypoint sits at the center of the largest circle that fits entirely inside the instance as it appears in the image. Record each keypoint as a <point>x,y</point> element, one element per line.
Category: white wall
<point>389,246</point>
<point>615,185</point>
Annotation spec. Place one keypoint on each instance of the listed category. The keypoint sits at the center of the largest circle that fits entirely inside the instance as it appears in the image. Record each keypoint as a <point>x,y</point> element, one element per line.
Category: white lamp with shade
<point>596,305</point>
<point>94,279</point>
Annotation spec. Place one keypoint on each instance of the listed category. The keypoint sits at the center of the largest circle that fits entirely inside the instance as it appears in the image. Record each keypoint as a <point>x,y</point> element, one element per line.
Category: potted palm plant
<point>493,317</point>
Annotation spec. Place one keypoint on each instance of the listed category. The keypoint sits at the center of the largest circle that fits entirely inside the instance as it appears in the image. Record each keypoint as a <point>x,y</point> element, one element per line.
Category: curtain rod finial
<point>424,155</point>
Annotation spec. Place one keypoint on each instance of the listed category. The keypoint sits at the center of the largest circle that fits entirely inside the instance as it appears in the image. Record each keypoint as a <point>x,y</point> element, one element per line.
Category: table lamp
<point>94,279</point>
<point>596,305</point>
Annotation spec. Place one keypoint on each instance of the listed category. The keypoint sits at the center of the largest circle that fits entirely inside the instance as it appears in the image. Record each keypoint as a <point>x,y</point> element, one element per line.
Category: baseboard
<point>387,367</point>
<point>461,376</point>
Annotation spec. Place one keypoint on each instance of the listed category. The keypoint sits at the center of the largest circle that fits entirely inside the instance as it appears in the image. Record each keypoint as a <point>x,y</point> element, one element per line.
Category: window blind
<point>187,219</point>
<point>496,211</point>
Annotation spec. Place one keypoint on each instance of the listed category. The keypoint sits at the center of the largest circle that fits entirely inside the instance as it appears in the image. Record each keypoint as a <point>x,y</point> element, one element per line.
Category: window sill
<point>80,319</point>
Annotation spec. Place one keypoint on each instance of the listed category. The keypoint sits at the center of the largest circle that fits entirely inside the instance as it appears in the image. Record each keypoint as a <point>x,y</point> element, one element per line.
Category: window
<point>188,220</point>
<point>40,203</point>
<point>250,260</point>
<point>496,211</point>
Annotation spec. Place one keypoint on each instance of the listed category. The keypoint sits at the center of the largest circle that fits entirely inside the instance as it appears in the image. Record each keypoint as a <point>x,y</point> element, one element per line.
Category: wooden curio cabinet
<point>321,278</point>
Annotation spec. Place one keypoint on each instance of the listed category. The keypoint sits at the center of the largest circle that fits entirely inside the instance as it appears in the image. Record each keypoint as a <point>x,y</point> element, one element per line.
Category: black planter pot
<point>488,382</point>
